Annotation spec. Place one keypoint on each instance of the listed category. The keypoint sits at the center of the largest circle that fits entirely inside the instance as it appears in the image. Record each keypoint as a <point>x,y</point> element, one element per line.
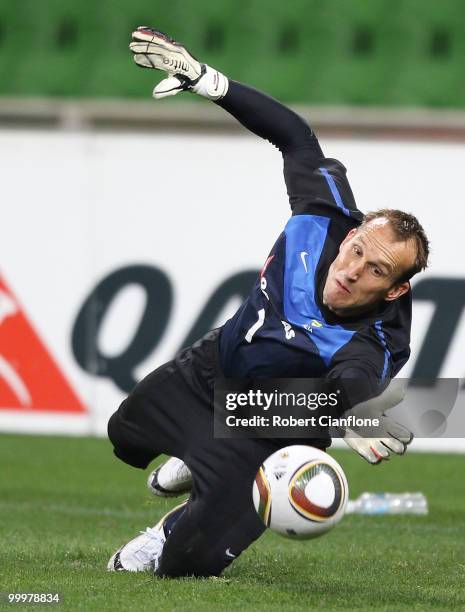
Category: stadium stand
<point>410,52</point>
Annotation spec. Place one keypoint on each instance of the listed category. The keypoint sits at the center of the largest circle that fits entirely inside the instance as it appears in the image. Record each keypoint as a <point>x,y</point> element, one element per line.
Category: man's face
<point>365,271</point>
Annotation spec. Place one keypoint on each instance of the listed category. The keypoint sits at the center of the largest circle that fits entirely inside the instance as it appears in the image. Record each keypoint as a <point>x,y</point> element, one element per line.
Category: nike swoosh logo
<point>229,553</point>
<point>302,257</point>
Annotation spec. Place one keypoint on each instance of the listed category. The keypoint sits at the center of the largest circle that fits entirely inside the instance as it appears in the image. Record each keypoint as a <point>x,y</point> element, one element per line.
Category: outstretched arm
<point>313,182</point>
<point>256,111</point>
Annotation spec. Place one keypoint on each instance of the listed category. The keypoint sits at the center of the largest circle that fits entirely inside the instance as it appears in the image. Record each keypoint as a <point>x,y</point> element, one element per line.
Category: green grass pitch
<point>66,504</point>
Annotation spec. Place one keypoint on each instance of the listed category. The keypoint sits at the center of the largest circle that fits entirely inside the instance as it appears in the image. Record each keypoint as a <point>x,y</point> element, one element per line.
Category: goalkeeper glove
<point>153,49</point>
<point>387,438</point>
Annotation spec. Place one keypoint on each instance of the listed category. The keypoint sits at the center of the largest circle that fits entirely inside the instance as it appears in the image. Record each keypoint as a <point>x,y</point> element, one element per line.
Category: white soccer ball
<point>300,492</point>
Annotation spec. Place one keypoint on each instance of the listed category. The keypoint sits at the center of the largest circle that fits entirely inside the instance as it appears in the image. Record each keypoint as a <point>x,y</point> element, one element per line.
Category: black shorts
<point>171,412</point>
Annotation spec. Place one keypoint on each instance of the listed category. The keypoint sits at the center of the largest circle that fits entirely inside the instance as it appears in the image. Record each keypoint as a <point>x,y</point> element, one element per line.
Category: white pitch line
<point>76,510</point>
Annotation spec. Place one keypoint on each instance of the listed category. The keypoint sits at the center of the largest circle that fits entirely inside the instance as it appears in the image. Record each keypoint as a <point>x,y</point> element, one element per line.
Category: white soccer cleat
<point>154,49</point>
<point>170,479</point>
<point>140,554</point>
<point>143,553</point>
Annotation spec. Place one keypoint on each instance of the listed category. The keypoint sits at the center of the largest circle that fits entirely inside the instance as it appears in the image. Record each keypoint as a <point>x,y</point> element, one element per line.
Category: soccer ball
<point>300,492</point>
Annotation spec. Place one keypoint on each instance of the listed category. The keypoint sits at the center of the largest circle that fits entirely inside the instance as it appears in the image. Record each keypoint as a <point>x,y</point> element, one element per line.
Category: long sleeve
<point>314,184</point>
<point>270,120</point>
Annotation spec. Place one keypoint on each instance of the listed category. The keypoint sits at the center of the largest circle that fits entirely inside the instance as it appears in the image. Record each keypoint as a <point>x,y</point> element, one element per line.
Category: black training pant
<point>171,412</point>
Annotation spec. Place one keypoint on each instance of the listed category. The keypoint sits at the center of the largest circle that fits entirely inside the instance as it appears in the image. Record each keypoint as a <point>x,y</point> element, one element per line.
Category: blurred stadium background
<point>109,195</point>
<point>381,52</point>
<point>109,261</point>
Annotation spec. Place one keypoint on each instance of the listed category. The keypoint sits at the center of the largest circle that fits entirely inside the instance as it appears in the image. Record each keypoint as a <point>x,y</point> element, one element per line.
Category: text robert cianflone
<point>291,421</point>
<point>261,399</point>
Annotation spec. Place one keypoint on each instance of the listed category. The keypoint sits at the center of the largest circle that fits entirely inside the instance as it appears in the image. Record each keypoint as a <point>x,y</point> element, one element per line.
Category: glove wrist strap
<point>212,85</point>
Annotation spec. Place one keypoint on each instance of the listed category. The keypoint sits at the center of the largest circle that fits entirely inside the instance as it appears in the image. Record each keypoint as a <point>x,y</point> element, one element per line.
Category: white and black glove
<point>389,437</point>
<point>153,49</point>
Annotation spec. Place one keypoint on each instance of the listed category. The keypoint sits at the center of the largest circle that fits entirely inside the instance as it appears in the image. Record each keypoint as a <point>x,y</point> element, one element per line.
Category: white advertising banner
<point>119,248</point>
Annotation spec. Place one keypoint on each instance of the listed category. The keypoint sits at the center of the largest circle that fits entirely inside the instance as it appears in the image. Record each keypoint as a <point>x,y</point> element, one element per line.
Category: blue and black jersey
<point>283,329</point>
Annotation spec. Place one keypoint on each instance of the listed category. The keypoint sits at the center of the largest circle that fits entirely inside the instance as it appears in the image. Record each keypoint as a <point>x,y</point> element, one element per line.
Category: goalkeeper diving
<point>332,301</point>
